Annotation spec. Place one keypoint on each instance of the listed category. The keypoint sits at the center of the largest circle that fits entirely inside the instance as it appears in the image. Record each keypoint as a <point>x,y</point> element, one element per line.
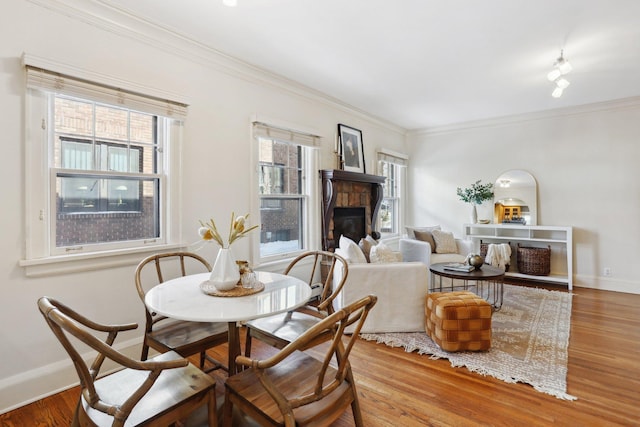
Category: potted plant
<point>476,194</point>
<point>225,273</point>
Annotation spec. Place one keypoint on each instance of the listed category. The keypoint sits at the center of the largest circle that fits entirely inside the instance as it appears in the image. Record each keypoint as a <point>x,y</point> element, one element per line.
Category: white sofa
<point>413,250</point>
<point>401,288</point>
<point>417,250</point>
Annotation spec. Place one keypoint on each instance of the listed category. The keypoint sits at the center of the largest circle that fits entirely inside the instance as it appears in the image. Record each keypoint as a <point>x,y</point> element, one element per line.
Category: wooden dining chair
<point>280,329</point>
<point>164,334</point>
<point>292,388</point>
<point>157,392</point>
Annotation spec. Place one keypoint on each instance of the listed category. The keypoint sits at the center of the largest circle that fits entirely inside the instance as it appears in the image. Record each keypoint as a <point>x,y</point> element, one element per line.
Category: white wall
<point>584,161</point>
<point>223,96</point>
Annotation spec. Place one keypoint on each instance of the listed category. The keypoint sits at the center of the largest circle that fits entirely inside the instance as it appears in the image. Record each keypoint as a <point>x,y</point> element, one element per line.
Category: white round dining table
<point>181,298</point>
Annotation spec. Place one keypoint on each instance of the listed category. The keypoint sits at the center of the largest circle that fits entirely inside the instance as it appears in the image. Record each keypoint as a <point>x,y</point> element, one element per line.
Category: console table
<point>559,238</point>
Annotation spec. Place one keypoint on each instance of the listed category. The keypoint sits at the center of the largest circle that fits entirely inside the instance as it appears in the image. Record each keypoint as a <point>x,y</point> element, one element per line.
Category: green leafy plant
<point>477,193</point>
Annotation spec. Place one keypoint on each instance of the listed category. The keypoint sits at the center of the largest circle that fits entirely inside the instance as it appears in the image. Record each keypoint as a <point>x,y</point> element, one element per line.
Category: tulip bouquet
<point>209,232</point>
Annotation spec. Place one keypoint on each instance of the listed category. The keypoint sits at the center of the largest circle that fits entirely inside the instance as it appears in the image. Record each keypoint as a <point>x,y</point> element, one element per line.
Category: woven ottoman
<point>458,321</point>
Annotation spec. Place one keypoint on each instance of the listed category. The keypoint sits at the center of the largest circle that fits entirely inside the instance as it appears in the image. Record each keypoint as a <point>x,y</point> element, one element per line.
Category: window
<point>107,156</point>
<point>284,190</point>
<point>282,201</point>
<point>104,161</point>
<point>393,167</point>
<point>79,192</point>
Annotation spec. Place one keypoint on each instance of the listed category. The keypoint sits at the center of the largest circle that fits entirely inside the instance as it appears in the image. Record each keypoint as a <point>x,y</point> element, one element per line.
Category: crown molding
<point>618,104</point>
<point>92,76</point>
<point>123,23</point>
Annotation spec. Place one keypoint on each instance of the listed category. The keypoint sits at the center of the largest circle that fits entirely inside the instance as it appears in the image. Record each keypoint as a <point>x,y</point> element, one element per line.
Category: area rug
<point>530,336</point>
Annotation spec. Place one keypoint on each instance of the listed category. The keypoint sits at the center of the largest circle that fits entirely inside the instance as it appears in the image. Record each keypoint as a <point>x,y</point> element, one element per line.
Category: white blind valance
<point>265,130</point>
<point>50,81</point>
<point>388,156</point>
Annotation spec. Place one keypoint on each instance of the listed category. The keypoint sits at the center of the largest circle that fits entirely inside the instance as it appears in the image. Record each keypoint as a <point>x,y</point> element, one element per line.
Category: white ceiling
<point>423,63</point>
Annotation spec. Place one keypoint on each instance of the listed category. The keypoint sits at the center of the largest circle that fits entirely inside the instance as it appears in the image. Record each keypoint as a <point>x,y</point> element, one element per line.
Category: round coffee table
<point>488,282</point>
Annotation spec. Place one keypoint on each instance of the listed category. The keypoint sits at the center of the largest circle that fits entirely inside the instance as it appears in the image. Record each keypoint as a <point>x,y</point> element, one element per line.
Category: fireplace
<point>350,203</point>
<point>349,222</point>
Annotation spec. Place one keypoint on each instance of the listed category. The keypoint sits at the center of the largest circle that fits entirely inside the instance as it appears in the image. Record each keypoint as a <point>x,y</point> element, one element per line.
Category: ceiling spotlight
<point>562,83</point>
<point>563,65</point>
<point>554,74</point>
<point>230,3</point>
<point>557,92</point>
<point>561,68</point>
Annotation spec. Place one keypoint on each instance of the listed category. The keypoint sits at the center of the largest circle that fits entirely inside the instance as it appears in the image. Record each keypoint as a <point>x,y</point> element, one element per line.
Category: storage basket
<point>484,247</point>
<point>534,261</point>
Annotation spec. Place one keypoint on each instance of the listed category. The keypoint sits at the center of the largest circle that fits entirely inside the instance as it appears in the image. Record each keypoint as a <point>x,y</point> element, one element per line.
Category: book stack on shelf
<point>459,266</point>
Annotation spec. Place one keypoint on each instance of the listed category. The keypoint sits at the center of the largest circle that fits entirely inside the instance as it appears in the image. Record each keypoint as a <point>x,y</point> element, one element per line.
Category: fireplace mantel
<point>349,190</point>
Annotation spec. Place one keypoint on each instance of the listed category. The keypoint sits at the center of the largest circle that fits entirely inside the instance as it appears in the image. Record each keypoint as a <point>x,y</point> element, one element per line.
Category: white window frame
<point>40,257</point>
<point>399,162</point>
<point>290,133</point>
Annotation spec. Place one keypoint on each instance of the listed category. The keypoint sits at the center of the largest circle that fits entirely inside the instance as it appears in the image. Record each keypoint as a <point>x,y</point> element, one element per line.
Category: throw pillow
<point>426,236</point>
<point>411,230</point>
<point>445,242</point>
<point>366,244</point>
<point>382,253</point>
<point>353,253</point>
<point>371,239</point>
<point>342,253</point>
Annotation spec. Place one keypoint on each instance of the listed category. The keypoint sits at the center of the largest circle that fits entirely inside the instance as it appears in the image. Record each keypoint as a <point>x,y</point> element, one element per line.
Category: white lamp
<point>557,92</point>
<point>561,68</point>
<point>554,74</point>
<point>563,65</point>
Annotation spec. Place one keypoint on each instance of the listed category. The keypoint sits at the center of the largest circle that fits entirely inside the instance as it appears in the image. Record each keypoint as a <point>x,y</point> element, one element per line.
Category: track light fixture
<point>560,68</point>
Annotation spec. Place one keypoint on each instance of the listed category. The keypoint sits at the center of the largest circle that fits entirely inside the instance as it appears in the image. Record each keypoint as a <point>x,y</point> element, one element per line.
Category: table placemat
<point>239,291</point>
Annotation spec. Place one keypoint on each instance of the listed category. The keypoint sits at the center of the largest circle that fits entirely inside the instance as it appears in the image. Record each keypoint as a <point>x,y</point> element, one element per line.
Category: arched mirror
<point>515,193</point>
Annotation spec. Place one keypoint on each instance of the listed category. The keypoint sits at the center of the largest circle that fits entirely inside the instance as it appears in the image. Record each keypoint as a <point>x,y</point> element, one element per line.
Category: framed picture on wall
<point>351,149</point>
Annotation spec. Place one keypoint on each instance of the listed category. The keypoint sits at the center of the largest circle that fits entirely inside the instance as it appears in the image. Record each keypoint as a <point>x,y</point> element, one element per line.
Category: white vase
<point>474,214</point>
<point>225,274</point>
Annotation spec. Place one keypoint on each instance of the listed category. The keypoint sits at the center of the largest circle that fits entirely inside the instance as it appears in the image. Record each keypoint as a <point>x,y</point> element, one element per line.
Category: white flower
<point>205,233</point>
<point>208,231</point>
<point>238,224</point>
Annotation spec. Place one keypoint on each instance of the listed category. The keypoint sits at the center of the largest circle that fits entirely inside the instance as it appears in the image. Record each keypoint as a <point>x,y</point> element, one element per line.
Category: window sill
<point>278,266</point>
<point>54,265</point>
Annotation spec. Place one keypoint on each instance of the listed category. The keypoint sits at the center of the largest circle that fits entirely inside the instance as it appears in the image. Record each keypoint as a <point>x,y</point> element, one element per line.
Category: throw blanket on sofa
<point>498,254</point>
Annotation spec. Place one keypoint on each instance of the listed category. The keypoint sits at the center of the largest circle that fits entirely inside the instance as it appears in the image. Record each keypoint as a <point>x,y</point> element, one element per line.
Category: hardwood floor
<point>404,389</point>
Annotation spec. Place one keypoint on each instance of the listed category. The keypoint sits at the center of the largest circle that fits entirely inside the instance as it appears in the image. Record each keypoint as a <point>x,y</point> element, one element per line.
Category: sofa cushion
<point>350,251</point>
<point>382,253</point>
<point>445,242</point>
<point>366,243</point>
<point>426,236</point>
<point>411,230</point>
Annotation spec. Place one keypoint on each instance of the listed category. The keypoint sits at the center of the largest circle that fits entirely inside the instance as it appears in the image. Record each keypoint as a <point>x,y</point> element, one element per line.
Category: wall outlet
<point>607,271</point>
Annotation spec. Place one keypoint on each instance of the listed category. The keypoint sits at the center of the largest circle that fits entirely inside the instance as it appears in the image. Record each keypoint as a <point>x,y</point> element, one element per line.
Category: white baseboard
<point>30,386</point>
<point>607,284</point>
